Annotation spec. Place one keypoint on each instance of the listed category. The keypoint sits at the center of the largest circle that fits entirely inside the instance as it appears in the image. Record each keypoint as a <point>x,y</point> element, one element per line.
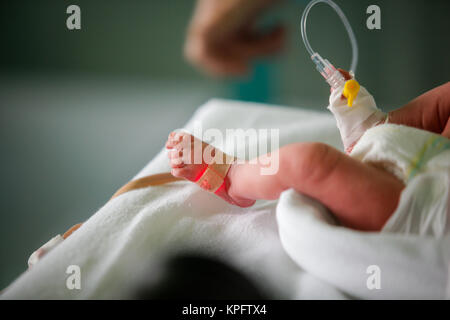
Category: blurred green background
<point>82,111</point>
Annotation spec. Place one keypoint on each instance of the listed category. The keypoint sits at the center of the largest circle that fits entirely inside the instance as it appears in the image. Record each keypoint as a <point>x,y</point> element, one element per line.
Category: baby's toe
<point>177,162</point>
<point>175,153</point>
<point>173,139</point>
<point>179,172</point>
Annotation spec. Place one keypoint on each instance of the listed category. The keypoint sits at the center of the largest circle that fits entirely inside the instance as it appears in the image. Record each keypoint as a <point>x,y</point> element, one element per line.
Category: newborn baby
<point>362,188</point>
<point>361,194</point>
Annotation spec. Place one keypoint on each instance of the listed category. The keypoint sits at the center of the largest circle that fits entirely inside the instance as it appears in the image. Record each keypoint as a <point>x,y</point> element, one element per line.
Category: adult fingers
<point>214,59</point>
<point>253,45</point>
<point>430,111</point>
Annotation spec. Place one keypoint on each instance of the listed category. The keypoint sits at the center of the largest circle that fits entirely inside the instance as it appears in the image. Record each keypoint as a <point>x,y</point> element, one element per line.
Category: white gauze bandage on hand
<point>353,121</point>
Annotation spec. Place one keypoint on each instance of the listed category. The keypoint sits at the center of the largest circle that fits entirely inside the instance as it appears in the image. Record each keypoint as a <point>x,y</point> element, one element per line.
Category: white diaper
<point>420,159</point>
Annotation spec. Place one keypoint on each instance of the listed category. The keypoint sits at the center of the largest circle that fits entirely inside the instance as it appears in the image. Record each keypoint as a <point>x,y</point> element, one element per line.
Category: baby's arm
<point>323,173</point>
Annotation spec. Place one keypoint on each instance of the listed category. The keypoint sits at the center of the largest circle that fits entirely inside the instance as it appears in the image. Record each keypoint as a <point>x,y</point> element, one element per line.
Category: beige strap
<point>152,180</point>
<point>211,180</point>
<point>71,230</point>
<point>213,177</point>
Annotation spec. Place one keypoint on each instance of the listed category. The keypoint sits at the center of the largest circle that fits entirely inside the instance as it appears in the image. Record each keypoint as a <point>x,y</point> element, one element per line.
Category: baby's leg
<point>314,169</point>
<point>361,196</point>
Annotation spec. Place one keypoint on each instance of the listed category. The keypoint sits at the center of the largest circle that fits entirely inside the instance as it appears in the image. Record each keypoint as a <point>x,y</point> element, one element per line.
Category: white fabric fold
<point>411,266</point>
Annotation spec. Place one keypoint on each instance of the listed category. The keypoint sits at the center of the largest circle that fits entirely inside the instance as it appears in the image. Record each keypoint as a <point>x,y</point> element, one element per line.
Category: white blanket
<point>408,266</point>
<point>136,227</point>
<point>117,242</point>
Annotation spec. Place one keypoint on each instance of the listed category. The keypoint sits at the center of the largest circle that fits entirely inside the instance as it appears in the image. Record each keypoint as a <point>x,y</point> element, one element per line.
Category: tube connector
<point>332,76</point>
<point>326,69</point>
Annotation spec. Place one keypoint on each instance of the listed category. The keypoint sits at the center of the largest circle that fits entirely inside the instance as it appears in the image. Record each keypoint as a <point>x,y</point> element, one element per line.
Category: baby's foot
<point>184,163</point>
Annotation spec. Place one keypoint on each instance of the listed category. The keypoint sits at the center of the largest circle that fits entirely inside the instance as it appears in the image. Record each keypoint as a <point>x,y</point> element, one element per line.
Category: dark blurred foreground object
<point>191,276</point>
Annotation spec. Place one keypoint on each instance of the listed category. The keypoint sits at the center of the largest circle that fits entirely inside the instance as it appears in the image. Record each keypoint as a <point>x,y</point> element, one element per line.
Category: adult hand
<point>430,111</point>
<point>222,39</point>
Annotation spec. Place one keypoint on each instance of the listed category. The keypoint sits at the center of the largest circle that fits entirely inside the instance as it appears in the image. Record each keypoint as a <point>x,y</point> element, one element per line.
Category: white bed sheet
<point>117,242</point>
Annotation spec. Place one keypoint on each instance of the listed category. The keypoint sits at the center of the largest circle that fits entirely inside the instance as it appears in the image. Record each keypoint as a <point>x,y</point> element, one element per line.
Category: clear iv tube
<point>341,15</point>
